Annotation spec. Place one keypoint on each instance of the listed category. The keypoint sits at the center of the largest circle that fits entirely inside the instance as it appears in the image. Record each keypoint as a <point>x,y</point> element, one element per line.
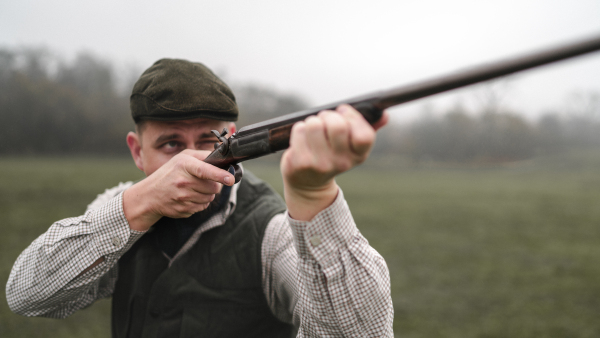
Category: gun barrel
<point>272,135</point>
<point>485,72</point>
<point>384,99</point>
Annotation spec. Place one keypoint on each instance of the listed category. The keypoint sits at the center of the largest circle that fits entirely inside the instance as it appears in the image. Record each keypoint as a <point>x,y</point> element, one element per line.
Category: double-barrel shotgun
<point>272,135</point>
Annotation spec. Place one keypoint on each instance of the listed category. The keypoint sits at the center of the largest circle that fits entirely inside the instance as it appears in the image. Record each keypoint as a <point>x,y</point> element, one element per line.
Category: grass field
<point>506,251</point>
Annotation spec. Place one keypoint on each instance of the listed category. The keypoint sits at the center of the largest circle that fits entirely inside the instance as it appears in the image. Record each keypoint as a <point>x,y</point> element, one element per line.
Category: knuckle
<point>200,172</point>
<point>214,187</point>
<point>325,114</point>
<point>337,129</point>
<point>204,199</point>
<point>210,187</point>
<point>313,118</point>
<point>201,207</point>
<point>299,127</point>
<point>180,208</point>
<point>206,171</point>
<point>313,122</point>
<point>182,198</point>
<point>181,183</point>
<point>179,160</point>
<point>364,139</point>
<point>349,111</point>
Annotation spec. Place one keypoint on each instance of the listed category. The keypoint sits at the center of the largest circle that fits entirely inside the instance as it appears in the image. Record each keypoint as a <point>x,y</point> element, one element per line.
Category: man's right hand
<point>181,187</point>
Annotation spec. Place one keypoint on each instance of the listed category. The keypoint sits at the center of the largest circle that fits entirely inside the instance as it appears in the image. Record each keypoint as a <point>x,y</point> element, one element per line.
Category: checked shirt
<point>322,276</point>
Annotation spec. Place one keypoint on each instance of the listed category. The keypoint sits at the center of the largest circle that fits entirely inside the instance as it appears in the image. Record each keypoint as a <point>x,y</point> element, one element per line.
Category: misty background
<point>67,68</point>
<point>53,106</point>
<point>483,201</point>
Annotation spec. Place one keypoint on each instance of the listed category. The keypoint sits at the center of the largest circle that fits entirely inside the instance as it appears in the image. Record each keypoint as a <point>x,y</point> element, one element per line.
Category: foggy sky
<point>325,50</point>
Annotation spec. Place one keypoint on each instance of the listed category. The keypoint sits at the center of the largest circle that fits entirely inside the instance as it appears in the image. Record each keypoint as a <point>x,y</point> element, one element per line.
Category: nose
<point>191,145</point>
<point>195,146</point>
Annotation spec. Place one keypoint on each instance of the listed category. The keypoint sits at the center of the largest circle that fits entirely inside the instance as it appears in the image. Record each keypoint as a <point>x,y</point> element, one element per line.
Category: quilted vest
<point>213,290</point>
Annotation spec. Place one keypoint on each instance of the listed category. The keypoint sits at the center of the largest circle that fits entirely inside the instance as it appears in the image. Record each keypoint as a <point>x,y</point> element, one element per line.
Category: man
<point>185,252</point>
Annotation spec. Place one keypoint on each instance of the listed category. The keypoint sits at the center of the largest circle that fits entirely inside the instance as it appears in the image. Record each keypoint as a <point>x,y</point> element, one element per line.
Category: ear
<point>231,128</point>
<point>135,147</point>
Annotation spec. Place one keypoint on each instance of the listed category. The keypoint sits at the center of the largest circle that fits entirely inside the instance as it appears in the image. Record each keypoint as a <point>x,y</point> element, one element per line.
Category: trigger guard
<point>236,171</point>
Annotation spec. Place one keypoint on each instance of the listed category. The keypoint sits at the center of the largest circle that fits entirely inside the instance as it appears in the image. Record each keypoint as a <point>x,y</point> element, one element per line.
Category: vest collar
<point>216,220</point>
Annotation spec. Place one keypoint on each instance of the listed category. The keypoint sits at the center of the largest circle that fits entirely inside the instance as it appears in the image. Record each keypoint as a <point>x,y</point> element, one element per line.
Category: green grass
<point>473,252</point>
<point>33,194</point>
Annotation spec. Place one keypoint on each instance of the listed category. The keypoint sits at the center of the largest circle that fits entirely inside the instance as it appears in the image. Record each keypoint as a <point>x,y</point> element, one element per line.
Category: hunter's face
<point>159,141</point>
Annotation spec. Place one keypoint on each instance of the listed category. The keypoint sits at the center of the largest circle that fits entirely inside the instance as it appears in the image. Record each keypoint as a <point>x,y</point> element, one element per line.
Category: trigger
<point>236,171</point>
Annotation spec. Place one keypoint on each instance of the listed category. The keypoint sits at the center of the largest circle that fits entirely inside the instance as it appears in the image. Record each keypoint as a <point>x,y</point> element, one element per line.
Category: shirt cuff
<point>112,232</point>
<point>329,231</point>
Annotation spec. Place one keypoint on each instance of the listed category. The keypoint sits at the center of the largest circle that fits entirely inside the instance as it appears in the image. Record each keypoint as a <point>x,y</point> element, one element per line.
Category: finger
<point>316,138</point>
<point>188,193</point>
<point>204,171</point>
<point>199,154</point>
<point>362,134</point>
<point>205,187</point>
<point>385,118</point>
<point>197,207</point>
<point>337,131</point>
<point>297,135</point>
<point>308,145</point>
<point>186,210</point>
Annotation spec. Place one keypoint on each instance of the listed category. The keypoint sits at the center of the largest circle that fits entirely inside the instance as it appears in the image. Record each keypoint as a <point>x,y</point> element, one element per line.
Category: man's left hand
<point>322,147</point>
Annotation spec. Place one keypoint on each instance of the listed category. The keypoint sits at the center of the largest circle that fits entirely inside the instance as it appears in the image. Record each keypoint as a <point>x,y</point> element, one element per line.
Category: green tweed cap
<point>173,89</point>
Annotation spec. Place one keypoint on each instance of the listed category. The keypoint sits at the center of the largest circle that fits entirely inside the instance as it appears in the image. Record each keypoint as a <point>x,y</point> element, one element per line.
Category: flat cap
<point>173,89</point>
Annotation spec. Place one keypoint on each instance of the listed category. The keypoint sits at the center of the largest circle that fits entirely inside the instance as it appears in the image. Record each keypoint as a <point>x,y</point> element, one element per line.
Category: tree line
<point>50,106</point>
<point>496,135</point>
<point>53,106</point>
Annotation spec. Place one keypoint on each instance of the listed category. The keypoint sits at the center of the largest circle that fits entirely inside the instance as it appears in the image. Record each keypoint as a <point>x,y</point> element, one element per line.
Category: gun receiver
<point>272,135</point>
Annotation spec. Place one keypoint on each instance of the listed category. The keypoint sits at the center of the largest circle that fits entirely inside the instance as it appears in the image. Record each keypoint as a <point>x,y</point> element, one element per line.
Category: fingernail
<point>226,179</point>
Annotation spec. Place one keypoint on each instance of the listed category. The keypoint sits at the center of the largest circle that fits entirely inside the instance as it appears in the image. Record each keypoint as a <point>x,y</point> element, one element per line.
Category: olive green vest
<point>213,290</point>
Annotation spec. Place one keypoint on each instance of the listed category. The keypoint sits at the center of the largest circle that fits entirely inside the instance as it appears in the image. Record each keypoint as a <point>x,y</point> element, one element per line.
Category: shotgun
<point>267,137</point>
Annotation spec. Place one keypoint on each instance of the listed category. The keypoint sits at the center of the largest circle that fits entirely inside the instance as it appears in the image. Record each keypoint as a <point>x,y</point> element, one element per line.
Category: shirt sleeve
<point>46,278</point>
<point>323,276</point>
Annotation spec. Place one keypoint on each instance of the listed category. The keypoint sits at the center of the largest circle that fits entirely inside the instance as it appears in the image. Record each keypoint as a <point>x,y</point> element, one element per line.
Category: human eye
<point>171,146</point>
